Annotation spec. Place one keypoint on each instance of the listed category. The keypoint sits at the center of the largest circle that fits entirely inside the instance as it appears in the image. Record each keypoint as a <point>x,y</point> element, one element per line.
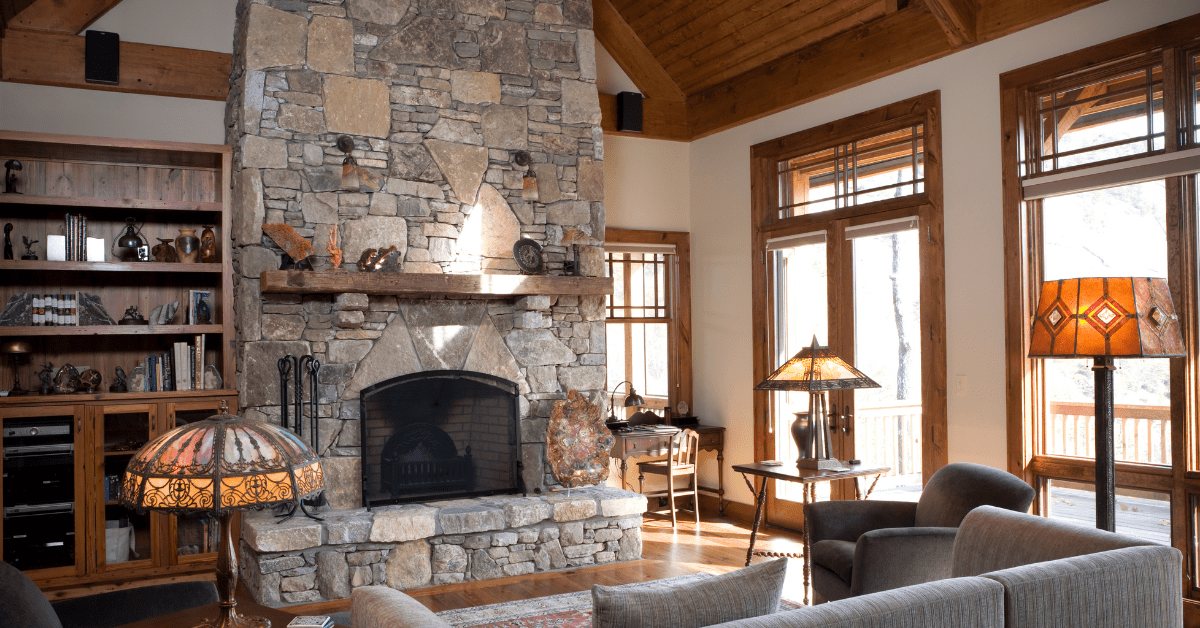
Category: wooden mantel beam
<point>620,40</point>
<point>44,58</point>
<point>957,18</point>
<point>61,16</point>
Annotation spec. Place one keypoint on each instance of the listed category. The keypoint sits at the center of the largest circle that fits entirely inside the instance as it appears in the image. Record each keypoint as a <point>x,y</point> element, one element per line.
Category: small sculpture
<point>578,442</point>
<point>137,379</point>
<point>208,245</point>
<point>67,380</point>
<point>121,384</point>
<point>45,375</point>
<point>8,252</point>
<point>384,260</point>
<point>10,179</point>
<point>333,250</point>
<point>164,251</point>
<point>292,243</point>
<point>164,314</point>
<point>133,317</point>
<point>90,380</point>
<point>212,378</point>
<point>29,254</point>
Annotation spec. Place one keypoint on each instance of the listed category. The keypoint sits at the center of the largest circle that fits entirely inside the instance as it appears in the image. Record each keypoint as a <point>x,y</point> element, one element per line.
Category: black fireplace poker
<point>291,394</point>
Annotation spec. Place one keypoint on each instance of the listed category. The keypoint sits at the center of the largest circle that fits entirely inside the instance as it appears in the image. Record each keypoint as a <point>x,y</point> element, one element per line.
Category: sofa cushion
<point>748,592</point>
<point>385,607</point>
<point>836,556</point>
<point>22,603</point>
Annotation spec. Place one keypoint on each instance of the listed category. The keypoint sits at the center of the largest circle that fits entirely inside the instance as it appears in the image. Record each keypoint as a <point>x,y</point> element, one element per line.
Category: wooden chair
<point>680,462</point>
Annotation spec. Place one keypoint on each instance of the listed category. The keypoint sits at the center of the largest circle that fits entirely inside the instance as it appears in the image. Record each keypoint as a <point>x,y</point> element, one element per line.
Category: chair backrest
<point>683,448</point>
<point>22,603</point>
<point>957,489</point>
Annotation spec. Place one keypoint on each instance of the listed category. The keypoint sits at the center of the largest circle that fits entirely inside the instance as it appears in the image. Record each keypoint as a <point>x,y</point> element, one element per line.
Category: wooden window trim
<point>926,205</point>
<point>1174,44</point>
<point>679,370</point>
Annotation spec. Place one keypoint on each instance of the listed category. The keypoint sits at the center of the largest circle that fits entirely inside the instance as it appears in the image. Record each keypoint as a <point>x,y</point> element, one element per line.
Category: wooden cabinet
<point>163,187</point>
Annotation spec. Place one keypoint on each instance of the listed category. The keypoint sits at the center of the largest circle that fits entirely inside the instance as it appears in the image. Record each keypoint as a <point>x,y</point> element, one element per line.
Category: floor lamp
<point>815,370</point>
<point>217,466</point>
<point>1105,318</point>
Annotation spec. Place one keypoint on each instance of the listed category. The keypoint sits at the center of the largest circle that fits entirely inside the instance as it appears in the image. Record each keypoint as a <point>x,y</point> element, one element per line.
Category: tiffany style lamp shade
<point>815,370</point>
<point>1104,318</point>
<point>218,466</point>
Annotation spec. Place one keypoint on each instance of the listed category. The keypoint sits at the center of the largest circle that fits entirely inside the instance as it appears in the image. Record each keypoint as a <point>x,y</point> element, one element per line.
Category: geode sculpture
<point>578,442</point>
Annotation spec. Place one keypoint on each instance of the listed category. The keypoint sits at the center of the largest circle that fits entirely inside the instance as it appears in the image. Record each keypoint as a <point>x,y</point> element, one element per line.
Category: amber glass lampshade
<point>218,466</point>
<point>1122,317</point>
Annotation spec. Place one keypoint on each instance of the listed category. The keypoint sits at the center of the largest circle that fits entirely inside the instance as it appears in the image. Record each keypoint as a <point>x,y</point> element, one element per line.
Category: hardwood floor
<point>719,547</point>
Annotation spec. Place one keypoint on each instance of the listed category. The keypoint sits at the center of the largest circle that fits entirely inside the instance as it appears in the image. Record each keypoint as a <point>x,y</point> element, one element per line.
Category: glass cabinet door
<point>193,537</point>
<point>44,514</point>
<point>124,537</point>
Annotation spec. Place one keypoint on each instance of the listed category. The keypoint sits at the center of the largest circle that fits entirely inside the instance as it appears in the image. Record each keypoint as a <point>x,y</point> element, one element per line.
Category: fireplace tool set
<point>292,372</point>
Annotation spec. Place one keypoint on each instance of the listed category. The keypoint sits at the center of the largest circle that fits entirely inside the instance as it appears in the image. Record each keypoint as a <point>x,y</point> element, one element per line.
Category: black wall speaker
<point>629,112</point>
<point>102,58</point>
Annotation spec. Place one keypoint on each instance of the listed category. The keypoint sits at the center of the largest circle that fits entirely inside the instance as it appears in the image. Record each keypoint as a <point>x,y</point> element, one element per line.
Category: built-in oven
<point>39,492</point>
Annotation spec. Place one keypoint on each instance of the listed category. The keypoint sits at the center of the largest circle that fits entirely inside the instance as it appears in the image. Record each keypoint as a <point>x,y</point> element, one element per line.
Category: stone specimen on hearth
<point>91,311</point>
<point>89,380</point>
<point>164,314</point>
<point>120,384</point>
<point>384,260</point>
<point>19,310</point>
<point>578,442</point>
<point>292,243</point>
<point>67,380</point>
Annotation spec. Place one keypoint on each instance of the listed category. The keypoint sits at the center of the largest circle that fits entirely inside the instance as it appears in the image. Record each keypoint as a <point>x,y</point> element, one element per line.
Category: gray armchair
<point>861,547</point>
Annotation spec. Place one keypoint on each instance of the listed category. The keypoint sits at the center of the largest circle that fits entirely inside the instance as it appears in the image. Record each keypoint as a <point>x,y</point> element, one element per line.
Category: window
<point>1099,170</point>
<point>648,316</point>
<point>848,234</point>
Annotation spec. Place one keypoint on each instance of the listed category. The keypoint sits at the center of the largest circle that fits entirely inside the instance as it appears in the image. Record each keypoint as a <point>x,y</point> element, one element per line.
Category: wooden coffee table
<point>193,616</point>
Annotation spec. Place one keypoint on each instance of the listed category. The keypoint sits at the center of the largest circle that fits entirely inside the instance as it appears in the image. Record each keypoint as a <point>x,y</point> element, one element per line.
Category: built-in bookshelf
<point>65,183</point>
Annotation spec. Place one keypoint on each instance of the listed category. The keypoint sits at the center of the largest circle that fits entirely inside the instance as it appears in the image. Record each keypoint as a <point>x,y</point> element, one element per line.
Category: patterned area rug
<point>569,610</point>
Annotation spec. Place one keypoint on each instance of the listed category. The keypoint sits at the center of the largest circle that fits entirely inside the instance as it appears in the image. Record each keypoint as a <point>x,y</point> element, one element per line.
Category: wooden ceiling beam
<point>42,58</point>
<point>631,54</point>
<point>62,16</point>
<point>896,42</point>
<point>957,18</point>
<point>661,119</point>
<point>9,10</point>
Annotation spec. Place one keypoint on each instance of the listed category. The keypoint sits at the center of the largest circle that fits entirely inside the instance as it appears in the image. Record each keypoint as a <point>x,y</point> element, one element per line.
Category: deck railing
<point>891,436</point>
<point>1141,433</point>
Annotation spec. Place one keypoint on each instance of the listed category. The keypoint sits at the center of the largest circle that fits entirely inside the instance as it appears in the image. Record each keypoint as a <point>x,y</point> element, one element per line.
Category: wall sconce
<point>529,189</point>
<point>350,179</point>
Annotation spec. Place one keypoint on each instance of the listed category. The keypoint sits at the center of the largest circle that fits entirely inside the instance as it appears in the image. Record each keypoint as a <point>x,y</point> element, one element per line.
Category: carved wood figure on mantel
<point>578,442</point>
<point>335,260</point>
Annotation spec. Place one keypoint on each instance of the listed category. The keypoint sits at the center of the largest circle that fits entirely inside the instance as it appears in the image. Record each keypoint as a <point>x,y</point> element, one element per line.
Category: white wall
<point>969,84</point>
<point>204,25</point>
<point>646,184</point>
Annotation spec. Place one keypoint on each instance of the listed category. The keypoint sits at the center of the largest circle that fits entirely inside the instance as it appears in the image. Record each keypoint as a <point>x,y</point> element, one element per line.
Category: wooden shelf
<point>115,398</point>
<point>112,330</point>
<point>113,204</point>
<point>336,282</point>
<point>109,267</point>
<point>120,453</point>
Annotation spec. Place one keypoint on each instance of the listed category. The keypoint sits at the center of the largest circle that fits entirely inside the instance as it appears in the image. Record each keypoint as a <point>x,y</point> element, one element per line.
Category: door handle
<point>847,421</point>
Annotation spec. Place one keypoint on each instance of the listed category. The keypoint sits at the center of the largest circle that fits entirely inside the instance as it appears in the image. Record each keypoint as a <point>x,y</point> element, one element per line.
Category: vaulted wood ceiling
<point>703,65</point>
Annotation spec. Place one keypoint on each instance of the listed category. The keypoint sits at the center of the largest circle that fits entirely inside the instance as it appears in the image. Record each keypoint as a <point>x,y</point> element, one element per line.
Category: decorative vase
<point>208,245</point>
<point>188,246</point>
<point>802,434</point>
<point>164,251</point>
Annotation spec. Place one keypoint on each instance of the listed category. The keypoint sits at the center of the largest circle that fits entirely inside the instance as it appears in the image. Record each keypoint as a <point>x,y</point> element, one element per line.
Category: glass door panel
<point>194,536</point>
<point>125,536</point>
<point>886,426</point>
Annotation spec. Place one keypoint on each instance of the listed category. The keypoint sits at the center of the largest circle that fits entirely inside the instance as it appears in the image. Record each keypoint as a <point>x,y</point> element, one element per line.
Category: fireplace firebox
<point>439,435</point>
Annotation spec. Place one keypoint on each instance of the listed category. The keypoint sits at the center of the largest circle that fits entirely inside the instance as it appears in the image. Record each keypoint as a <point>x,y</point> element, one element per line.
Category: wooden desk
<point>712,438</point>
<point>191,617</point>
<point>808,478</point>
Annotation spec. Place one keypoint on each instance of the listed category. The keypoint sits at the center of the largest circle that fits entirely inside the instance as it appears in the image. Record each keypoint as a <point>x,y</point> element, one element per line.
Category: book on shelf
<point>311,621</point>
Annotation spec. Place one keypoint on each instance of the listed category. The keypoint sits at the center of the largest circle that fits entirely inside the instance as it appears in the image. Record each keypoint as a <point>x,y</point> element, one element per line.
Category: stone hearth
<point>413,546</point>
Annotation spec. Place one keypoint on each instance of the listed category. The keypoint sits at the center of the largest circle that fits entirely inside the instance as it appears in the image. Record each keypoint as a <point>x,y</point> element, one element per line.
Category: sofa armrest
<point>897,557</point>
<point>848,520</point>
<point>943,604</point>
<point>385,607</point>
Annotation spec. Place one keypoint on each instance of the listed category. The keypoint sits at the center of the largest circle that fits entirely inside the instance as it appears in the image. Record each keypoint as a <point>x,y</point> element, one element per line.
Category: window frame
<point>1174,45</point>
<point>679,324</point>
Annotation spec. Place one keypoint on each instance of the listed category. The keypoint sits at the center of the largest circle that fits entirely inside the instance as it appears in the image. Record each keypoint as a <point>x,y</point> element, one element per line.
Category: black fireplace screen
<point>439,435</point>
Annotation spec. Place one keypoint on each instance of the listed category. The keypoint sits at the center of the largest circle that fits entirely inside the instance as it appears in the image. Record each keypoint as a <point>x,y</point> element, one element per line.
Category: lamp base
<point>819,463</point>
<point>233,620</point>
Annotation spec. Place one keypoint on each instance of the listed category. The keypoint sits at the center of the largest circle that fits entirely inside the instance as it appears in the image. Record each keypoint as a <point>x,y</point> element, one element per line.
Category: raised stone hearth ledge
<point>418,545</point>
<point>313,282</point>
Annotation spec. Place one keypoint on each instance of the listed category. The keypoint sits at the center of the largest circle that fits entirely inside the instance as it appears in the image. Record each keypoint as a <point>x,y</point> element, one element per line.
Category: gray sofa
<point>1010,570</point>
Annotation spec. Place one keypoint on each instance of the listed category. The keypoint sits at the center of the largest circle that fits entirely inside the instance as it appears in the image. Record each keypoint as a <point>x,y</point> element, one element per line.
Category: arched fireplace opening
<point>439,435</point>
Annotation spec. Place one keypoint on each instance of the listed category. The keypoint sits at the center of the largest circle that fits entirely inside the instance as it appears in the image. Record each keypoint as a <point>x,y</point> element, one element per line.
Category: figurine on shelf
<point>133,317</point>
<point>332,248</point>
<point>8,252</point>
<point>384,260</point>
<point>67,380</point>
<point>208,245</point>
<point>120,385</point>
<point>164,251</point>
<point>29,254</point>
<point>90,380</point>
<point>164,314</point>
<point>10,179</point>
<point>45,375</point>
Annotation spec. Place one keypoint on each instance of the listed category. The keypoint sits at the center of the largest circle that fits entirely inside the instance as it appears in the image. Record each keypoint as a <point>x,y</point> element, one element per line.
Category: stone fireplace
<point>437,96</point>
